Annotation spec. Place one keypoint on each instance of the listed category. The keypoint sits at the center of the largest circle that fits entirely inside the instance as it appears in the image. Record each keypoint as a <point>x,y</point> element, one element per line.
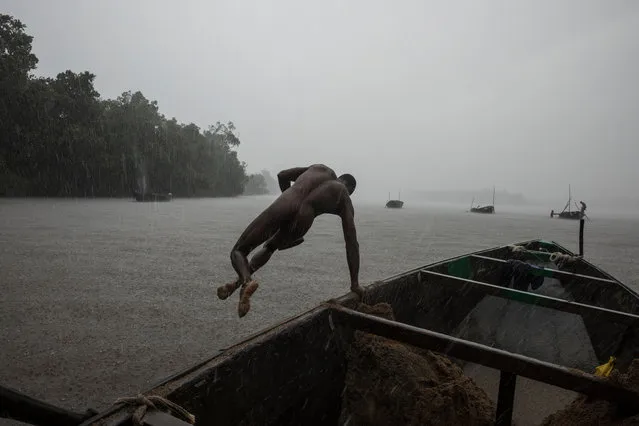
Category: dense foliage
<point>59,138</point>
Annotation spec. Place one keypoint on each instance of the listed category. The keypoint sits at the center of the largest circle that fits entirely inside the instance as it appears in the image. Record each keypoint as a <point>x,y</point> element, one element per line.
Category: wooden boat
<point>483,209</point>
<point>152,196</point>
<point>394,204</point>
<point>567,212</point>
<point>293,372</point>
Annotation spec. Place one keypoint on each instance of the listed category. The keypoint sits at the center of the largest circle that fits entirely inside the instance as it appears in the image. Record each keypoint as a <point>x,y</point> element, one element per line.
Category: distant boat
<point>394,204</point>
<point>152,196</point>
<point>483,209</point>
<point>567,213</point>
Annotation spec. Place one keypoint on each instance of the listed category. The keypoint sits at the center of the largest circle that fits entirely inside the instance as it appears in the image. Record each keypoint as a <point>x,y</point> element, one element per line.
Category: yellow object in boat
<point>605,369</point>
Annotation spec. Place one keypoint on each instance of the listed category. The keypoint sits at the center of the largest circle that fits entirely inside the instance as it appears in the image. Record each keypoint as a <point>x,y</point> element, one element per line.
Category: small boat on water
<point>568,213</point>
<point>293,372</point>
<point>142,193</point>
<point>483,209</point>
<point>152,196</point>
<point>394,204</point>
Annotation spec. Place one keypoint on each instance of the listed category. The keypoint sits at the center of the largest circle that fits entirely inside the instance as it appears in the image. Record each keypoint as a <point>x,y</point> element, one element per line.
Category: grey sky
<point>529,96</point>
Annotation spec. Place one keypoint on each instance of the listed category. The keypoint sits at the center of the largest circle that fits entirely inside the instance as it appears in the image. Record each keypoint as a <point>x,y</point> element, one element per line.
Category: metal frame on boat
<point>293,373</point>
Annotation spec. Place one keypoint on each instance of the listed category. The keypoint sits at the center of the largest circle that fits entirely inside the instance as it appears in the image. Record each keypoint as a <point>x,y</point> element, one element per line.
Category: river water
<point>105,298</point>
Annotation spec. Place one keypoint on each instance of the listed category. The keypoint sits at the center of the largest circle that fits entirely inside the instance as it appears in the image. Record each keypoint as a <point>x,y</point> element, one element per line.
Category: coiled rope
<point>154,402</point>
<point>558,258</point>
<point>561,259</point>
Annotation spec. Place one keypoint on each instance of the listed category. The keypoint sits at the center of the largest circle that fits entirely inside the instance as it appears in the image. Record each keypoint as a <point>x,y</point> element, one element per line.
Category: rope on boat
<point>154,402</point>
<point>560,259</point>
<point>522,249</point>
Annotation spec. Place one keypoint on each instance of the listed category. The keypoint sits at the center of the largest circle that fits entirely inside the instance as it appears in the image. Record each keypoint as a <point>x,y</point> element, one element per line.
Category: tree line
<point>58,137</point>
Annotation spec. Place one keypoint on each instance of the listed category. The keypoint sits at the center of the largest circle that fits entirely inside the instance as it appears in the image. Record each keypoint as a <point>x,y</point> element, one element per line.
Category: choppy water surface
<point>104,298</point>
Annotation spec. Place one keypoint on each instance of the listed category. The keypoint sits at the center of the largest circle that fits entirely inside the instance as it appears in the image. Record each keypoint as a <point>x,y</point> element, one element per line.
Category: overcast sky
<point>528,96</point>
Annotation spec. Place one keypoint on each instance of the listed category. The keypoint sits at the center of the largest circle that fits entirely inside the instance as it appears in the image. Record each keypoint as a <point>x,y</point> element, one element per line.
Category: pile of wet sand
<point>585,411</point>
<point>391,383</point>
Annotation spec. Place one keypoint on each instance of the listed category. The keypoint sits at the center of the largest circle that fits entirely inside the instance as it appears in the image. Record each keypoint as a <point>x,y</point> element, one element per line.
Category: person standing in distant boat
<point>317,190</point>
<point>583,208</point>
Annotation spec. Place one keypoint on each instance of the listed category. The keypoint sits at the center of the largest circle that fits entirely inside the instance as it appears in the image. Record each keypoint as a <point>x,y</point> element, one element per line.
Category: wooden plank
<point>17,406</point>
<point>539,300</point>
<point>505,398</point>
<point>159,418</point>
<point>554,273</point>
<point>541,371</point>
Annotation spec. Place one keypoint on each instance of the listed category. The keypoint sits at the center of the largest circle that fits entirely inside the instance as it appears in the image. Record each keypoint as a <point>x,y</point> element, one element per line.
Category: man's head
<point>348,181</point>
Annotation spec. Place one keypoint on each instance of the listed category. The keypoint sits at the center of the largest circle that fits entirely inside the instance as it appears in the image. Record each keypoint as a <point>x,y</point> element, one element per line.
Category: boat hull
<point>569,215</point>
<point>484,209</point>
<point>293,373</point>
<point>394,204</point>
<point>153,197</point>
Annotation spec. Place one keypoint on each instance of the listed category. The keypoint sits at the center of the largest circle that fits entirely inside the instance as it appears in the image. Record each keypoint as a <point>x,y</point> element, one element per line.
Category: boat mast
<point>493,195</point>
<point>567,206</point>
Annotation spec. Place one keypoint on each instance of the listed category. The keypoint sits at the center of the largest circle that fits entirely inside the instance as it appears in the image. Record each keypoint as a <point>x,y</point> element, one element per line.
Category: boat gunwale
<point>557,272</point>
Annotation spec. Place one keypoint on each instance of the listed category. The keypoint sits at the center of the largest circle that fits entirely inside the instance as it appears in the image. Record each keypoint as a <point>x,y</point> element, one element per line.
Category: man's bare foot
<point>245,297</point>
<point>226,290</point>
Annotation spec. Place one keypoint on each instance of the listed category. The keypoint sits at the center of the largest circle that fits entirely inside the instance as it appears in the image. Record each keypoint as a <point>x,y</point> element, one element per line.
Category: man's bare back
<point>317,190</point>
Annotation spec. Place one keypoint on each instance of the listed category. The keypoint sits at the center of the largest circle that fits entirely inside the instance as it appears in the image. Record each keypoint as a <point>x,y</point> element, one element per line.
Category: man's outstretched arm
<point>352,246</point>
<point>285,177</point>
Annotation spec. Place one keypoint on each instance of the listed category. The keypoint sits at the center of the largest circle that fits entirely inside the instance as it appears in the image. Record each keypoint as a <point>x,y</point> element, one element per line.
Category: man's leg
<point>255,234</point>
<point>224,291</point>
<point>280,241</point>
<point>258,260</point>
<point>275,227</point>
<point>265,228</point>
<point>289,236</point>
<point>239,260</point>
<point>263,255</point>
<point>248,286</point>
<point>291,244</point>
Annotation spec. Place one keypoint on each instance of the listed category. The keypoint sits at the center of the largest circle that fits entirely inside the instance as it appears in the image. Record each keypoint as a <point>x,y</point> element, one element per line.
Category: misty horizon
<point>418,96</point>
